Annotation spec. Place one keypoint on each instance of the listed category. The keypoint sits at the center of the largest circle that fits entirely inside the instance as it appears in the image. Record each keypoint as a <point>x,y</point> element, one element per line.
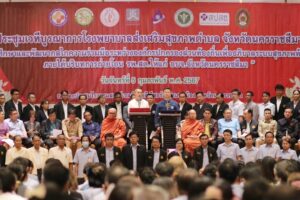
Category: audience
<point>226,154</point>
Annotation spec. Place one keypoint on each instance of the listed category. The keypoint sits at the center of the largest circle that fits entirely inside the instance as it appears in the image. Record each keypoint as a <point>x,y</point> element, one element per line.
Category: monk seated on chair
<point>111,124</point>
<point>190,131</point>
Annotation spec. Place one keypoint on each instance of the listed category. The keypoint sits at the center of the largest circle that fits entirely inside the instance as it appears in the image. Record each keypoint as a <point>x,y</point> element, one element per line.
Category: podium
<point>169,121</point>
<point>139,118</point>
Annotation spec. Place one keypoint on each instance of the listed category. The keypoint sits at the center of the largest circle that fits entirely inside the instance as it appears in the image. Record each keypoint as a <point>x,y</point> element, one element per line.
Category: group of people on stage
<point>78,136</point>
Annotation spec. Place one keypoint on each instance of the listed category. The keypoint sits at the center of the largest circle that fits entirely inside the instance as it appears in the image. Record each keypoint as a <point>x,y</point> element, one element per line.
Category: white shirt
<point>109,156</point>
<point>278,102</point>
<point>63,155</point>
<point>205,158</point>
<point>134,157</point>
<point>181,106</point>
<point>119,110</point>
<point>46,113</point>
<point>16,106</point>
<point>133,103</point>
<point>16,128</point>
<point>65,107</point>
<point>156,158</point>
<point>82,113</point>
<point>33,107</point>
<point>262,107</point>
<point>103,110</point>
<point>10,196</point>
<point>237,108</point>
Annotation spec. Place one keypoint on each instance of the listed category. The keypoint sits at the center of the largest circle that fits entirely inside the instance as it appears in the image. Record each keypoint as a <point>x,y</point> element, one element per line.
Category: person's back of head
<point>250,172</point>
<point>282,192</point>
<point>56,174</point>
<point>210,170</point>
<point>178,163</point>
<point>229,170</point>
<point>7,180</point>
<point>267,167</point>
<point>184,179</point>
<point>256,188</point>
<point>164,169</point>
<point>116,172</point>
<point>147,175</point>
<point>125,187</point>
<point>168,184</point>
<point>18,170</point>
<point>198,187</point>
<point>151,192</point>
<point>283,168</point>
<point>96,175</point>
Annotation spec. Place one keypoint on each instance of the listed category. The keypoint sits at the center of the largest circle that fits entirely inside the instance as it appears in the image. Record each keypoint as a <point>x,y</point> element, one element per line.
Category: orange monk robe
<point>190,132</point>
<point>117,127</point>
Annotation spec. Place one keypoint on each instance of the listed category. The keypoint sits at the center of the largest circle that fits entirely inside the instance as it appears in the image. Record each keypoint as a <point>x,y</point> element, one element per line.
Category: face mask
<point>85,144</point>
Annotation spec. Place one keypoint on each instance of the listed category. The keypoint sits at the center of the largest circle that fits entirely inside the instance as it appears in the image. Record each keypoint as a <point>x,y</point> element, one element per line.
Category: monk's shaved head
<point>112,110</point>
<point>192,114</point>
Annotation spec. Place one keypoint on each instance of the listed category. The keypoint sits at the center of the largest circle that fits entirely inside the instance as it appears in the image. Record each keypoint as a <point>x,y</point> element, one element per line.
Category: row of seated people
<point>135,156</point>
<point>276,104</point>
<point>190,128</point>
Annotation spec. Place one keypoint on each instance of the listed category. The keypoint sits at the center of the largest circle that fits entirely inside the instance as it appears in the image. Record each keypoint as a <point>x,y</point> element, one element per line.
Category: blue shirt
<point>91,129</point>
<point>232,124</point>
<point>162,106</point>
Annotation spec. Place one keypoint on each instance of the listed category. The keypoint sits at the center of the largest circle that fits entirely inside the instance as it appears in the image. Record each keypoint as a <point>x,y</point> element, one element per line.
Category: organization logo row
<point>183,17</point>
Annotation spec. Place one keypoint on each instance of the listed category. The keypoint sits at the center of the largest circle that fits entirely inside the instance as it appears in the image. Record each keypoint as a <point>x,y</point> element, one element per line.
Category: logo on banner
<point>84,16</point>
<point>158,17</point>
<point>214,19</point>
<point>109,17</point>
<point>132,15</point>
<point>242,18</point>
<point>58,17</point>
<point>184,17</point>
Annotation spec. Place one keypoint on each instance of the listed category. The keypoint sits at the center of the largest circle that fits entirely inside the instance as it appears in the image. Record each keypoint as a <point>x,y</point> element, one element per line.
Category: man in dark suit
<point>204,154</point>
<point>288,127</point>
<point>82,107</point>
<point>62,108</point>
<point>295,105</point>
<point>156,154</point>
<point>14,103</point>
<point>280,101</point>
<point>29,107</point>
<point>184,106</point>
<point>100,111</point>
<point>110,152</point>
<point>134,154</point>
<point>118,104</point>
<point>201,105</point>
<point>219,107</point>
<point>249,125</point>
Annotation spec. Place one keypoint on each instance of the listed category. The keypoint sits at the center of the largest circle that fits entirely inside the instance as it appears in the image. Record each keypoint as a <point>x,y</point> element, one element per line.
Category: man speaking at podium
<point>138,101</point>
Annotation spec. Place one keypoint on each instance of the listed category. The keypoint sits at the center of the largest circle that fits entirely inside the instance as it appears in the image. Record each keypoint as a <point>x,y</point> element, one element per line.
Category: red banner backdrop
<point>100,48</point>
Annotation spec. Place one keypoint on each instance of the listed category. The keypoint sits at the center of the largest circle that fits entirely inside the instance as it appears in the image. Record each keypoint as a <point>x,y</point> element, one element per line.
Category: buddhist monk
<point>190,131</point>
<point>111,124</point>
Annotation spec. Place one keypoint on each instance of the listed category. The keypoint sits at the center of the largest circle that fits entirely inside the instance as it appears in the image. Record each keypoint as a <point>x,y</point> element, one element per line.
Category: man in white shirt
<point>249,152</point>
<point>15,125</point>
<point>236,105</point>
<point>16,151</point>
<point>62,153</point>
<point>265,104</point>
<point>138,101</point>
<point>38,155</point>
